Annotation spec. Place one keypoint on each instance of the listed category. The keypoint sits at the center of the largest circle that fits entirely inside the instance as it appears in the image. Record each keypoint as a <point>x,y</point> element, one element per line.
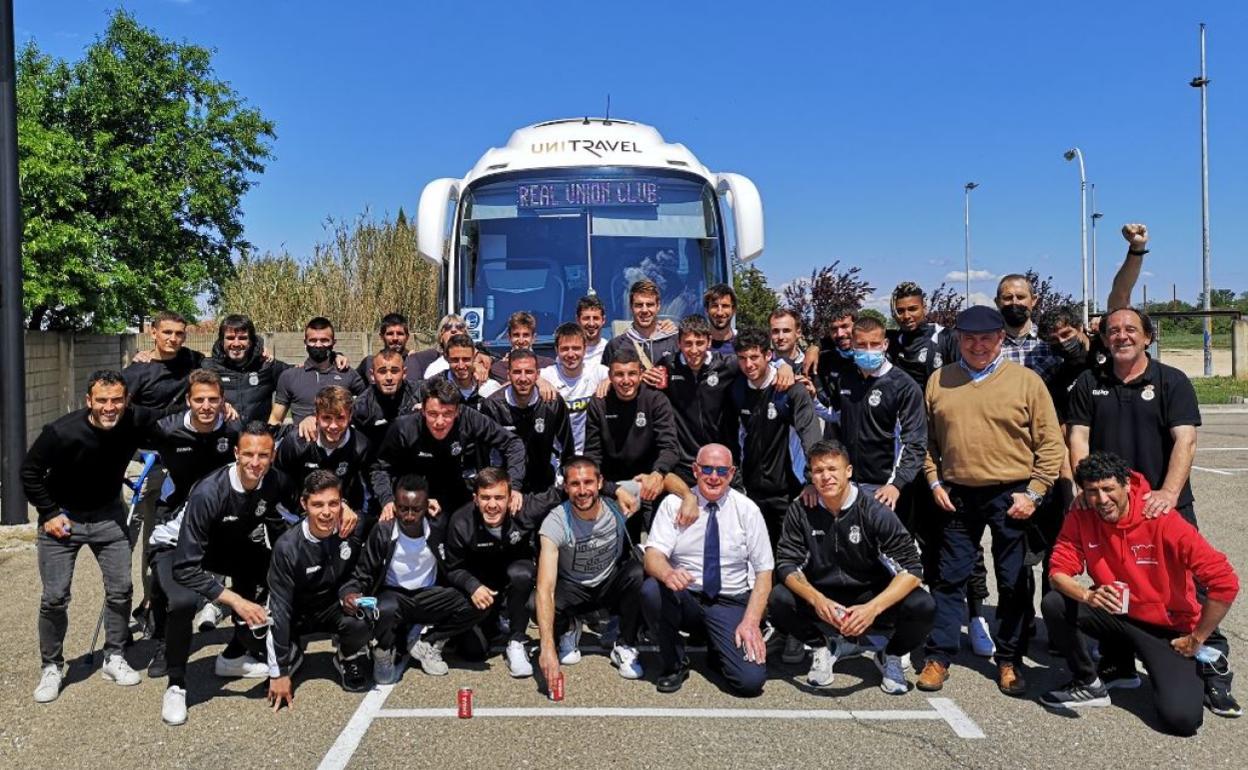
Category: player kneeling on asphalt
<point>1159,618</point>
<point>715,573</point>
<point>586,563</point>
<point>847,568</point>
<point>309,562</point>
<point>400,568</point>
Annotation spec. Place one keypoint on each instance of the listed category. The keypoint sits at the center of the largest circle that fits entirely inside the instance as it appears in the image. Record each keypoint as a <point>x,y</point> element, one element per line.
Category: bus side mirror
<point>436,201</point>
<point>747,213</point>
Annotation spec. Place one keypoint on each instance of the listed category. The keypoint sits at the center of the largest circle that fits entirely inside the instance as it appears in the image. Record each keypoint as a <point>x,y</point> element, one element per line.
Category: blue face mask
<point>868,360</point>
<point>846,352</point>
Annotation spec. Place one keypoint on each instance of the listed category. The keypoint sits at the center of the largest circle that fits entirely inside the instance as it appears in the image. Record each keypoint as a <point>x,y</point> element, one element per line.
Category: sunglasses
<point>718,470</point>
<point>454,327</point>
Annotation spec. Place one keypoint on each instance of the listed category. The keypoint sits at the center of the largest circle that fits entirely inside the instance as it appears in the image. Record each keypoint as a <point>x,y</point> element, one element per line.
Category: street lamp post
<point>1096,295</point>
<point>966,221</point>
<point>1074,153</point>
<point>1202,83</point>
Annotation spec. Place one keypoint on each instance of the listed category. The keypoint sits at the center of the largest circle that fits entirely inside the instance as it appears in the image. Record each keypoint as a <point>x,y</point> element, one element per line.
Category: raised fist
<point>1136,235</point>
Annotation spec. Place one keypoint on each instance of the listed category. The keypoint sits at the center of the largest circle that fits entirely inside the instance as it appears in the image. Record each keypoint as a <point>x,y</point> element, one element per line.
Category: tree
<point>943,305</point>
<point>134,161</point>
<point>827,291</point>
<point>755,299</point>
<point>1048,298</point>
<point>365,269</point>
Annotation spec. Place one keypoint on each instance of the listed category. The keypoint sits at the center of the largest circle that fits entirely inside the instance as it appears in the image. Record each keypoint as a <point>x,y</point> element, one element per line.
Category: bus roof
<point>574,142</point>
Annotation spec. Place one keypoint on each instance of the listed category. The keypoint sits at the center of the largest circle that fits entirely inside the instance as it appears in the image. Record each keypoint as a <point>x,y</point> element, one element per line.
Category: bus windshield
<point>542,240</point>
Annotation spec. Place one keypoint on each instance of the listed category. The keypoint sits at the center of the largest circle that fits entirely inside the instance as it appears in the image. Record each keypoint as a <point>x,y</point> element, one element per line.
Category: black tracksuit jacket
<point>626,438</point>
<point>542,426</point>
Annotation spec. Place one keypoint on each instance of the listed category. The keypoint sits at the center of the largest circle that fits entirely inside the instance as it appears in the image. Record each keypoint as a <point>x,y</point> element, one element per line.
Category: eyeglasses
<point>454,327</point>
<point>718,470</point>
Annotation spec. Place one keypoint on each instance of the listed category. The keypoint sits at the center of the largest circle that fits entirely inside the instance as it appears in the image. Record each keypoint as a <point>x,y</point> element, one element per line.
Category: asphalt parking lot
<point>603,720</point>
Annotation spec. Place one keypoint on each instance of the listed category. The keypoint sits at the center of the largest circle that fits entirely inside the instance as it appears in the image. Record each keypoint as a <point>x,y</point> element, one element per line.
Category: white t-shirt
<point>576,394</point>
<point>594,352</point>
<point>414,565</point>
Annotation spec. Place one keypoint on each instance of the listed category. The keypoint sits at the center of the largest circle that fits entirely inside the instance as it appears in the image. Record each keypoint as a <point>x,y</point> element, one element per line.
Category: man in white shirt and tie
<point>716,573</point>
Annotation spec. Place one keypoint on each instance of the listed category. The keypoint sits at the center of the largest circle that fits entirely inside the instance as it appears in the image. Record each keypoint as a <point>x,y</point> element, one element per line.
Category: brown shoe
<point>1010,680</point>
<point>933,677</point>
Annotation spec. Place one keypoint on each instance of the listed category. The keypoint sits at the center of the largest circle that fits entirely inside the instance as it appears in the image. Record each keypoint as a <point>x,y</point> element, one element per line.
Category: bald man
<point>714,573</point>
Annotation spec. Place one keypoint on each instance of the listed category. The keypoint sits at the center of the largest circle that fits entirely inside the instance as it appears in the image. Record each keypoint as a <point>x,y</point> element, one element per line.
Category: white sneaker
<point>429,656</point>
<point>116,669</point>
<point>794,650</point>
<point>244,667</point>
<point>385,670</point>
<point>518,664</point>
<point>893,675</point>
<point>208,617</point>
<point>173,706</point>
<point>981,639</point>
<point>822,659</point>
<point>570,645</point>
<point>625,659</point>
<point>49,688</point>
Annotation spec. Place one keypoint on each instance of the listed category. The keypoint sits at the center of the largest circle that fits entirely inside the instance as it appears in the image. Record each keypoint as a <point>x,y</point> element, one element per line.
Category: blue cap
<point>978,319</point>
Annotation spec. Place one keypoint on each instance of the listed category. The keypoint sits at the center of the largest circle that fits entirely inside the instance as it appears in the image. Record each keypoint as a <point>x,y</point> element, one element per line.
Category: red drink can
<point>662,370</point>
<point>1124,595</point>
<point>465,703</point>
<point>556,688</point>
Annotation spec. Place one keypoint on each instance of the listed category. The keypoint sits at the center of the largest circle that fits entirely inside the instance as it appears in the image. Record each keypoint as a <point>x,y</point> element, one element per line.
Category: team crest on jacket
<point>341,471</point>
<point>515,536</point>
<point>253,379</point>
<point>874,398</point>
<point>456,449</point>
<point>539,425</point>
<point>712,379</point>
<point>223,444</point>
<point>855,535</point>
<point>923,356</point>
<point>771,410</point>
<point>640,422</point>
<point>344,550</point>
<point>936,362</point>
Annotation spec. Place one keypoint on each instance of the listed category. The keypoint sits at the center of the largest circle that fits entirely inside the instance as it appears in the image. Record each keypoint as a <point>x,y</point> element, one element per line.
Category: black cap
<point>978,319</point>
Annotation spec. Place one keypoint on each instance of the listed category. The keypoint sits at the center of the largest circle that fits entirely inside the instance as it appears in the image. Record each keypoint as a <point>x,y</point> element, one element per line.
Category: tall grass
<point>365,269</point>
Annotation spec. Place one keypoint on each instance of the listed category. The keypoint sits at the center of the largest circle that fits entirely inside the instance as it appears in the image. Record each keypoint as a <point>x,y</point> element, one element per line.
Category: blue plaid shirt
<point>1032,352</point>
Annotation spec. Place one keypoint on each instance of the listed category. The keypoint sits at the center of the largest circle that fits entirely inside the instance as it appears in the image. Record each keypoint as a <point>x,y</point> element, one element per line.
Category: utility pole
<point>1202,82</point>
<point>967,229</point>
<point>1074,153</point>
<point>12,316</point>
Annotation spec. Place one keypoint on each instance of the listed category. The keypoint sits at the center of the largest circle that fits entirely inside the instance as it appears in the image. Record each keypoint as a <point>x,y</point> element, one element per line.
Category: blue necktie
<point>710,553</point>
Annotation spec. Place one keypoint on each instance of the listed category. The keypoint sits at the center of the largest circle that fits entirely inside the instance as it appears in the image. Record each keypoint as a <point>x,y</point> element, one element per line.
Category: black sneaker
<point>673,681</point>
<point>1118,677</point>
<point>1075,695</point>
<point>158,666</point>
<point>353,672</point>
<point>1220,701</point>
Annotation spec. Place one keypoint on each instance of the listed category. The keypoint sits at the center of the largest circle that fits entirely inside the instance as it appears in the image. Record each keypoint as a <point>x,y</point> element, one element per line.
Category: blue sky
<point>860,123</point>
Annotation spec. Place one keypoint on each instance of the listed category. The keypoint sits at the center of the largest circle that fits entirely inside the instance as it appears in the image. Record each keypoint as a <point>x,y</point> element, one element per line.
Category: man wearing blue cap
<point>994,450</point>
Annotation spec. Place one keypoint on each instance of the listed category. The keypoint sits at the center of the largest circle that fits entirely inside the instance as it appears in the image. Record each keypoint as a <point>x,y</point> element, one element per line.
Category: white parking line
<point>1222,449</point>
<point>1219,471</point>
<point>943,709</point>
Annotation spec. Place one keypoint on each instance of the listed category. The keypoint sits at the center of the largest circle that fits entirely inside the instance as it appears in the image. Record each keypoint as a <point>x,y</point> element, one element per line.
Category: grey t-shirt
<point>589,552</point>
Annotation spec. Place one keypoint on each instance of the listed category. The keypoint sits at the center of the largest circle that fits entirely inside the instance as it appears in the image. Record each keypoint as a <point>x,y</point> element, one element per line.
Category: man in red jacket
<point>1157,617</point>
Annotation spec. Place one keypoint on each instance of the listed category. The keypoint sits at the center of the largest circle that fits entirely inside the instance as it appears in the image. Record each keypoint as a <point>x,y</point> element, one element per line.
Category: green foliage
<point>1220,390</point>
<point>134,161</point>
<point>755,299</point>
<point>871,312</point>
<point>365,270</point>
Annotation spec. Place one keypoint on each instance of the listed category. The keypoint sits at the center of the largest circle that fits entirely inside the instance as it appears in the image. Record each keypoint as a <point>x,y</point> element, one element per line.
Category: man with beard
<point>72,475</point>
<point>461,356</point>
<point>591,316</point>
<point>720,303</point>
<point>448,445</point>
<point>297,386</point>
<point>395,334</point>
<point>654,346</point>
<point>825,363</point>
<point>390,395</point>
<point>542,426</point>
<point>247,376</point>
<point>577,376</point>
<point>1016,298</point>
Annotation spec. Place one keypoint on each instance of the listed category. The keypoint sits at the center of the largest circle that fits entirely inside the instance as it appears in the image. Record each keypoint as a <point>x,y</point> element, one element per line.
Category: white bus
<point>583,206</point>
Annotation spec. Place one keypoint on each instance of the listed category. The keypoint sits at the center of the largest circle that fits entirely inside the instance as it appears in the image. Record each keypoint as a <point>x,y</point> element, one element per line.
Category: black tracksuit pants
<point>445,609</point>
<point>909,620</point>
<point>620,593</point>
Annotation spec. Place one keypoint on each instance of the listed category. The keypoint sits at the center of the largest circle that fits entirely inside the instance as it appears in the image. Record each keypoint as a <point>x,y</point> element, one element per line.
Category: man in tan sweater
<point>994,449</point>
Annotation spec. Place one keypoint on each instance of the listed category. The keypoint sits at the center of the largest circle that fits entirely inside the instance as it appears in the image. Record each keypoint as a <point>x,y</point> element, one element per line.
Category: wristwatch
<point>1035,497</point>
